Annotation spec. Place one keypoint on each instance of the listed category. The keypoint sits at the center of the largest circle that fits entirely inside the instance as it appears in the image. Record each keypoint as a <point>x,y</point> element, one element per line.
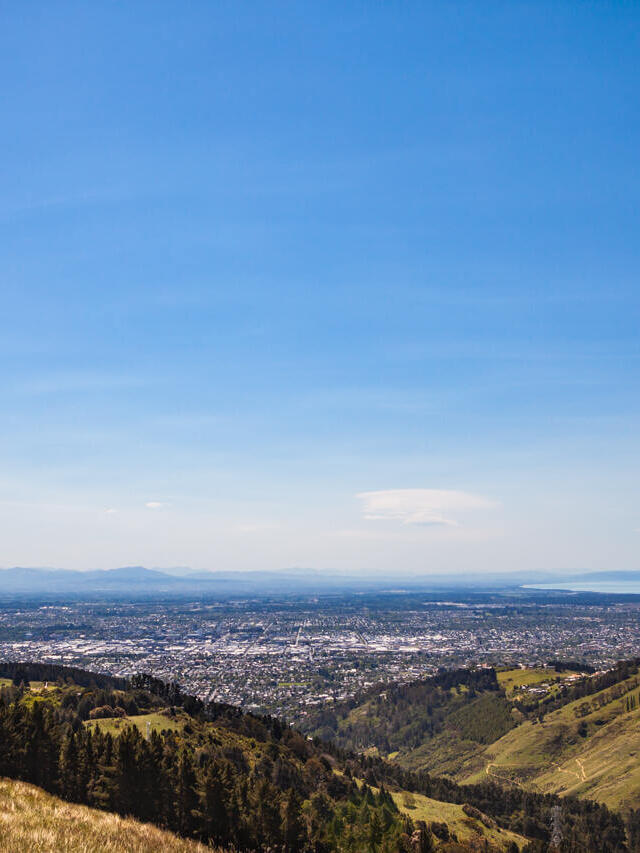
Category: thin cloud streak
<point>421,506</point>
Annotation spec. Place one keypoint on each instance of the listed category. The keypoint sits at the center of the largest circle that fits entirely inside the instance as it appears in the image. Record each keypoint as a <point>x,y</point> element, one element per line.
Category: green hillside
<point>589,748</point>
<point>396,719</point>
<point>209,772</point>
<point>439,724</point>
<point>213,774</point>
<point>462,823</point>
<point>549,730</point>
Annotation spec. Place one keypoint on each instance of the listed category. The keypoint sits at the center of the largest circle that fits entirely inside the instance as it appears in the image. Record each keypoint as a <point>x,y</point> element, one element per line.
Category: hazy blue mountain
<point>139,582</point>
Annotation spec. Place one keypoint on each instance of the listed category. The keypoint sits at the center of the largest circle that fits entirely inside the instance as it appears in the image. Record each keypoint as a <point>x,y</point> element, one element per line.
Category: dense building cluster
<point>282,655</point>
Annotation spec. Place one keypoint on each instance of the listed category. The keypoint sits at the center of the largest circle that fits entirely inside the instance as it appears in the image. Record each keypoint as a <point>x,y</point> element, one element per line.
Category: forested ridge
<point>242,785</point>
<point>403,716</point>
<point>434,721</point>
<point>465,704</point>
<point>241,781</point>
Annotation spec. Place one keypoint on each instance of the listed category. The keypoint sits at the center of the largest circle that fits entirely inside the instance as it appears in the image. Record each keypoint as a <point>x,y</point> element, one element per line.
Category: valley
<point>548,730</point>
<point>143,749</point>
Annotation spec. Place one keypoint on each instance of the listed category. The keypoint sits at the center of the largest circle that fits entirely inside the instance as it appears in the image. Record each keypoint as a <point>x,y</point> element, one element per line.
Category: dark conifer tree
<point>186,799</point>
<point>104,788</point>
<point>214,802</point>
<point>270,825</point>
<point>126,775</point>
<point>423,838</point>
<point>162,786</point>
<point>293,828</point>
<point>69,767</point>
<point>86,763</point>
<point>375,831</point>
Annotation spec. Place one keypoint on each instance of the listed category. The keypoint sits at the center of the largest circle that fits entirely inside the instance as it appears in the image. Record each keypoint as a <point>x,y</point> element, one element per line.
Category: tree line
<point>252,782</point>
<point>403,716</point>
<point>280,795</point>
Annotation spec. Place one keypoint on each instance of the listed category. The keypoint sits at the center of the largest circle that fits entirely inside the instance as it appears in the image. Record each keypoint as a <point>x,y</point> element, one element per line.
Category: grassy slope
<point>158,722</point>
<point>466,728</point>
<point>466,828</point>
<point>553,757</point>
<point>32,821</point>
<point>513,680</point>
<point>253,750</point>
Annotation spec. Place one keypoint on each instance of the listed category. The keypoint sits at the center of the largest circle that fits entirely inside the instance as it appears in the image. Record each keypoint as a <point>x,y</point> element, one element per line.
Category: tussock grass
<point>32,821</point>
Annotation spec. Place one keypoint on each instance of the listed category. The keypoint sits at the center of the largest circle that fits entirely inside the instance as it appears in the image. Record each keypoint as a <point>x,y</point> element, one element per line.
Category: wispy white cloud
<point>421,506</point>
<point>110,511</point>
<point>155,505</point>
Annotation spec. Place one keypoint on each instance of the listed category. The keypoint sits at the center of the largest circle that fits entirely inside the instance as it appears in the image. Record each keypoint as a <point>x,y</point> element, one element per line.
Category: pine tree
<point>41,749</point>
<point>214,801</point>
<point>186,800</point>
<point>103,788</point>
<point>269,811</point>
<point>375,831</point>
<point>423,839</point>
<point>149,780</point>
<point>86,764</point>
<point>69,767</point>
<point>293,828</point>
<point>163,784</point>
<point>126,775</point>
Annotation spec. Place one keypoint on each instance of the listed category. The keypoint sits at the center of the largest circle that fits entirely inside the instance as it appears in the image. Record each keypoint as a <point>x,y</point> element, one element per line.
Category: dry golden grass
<point>32,821</point>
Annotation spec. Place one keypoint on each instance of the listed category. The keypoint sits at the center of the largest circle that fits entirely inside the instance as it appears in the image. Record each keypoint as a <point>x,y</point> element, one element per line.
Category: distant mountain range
<point>135,581</point>
<point>139,582</point>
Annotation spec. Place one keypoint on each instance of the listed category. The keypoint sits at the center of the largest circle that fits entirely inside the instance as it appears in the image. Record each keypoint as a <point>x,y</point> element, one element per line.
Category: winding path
<point>495,775</point>
<point>581,776</point>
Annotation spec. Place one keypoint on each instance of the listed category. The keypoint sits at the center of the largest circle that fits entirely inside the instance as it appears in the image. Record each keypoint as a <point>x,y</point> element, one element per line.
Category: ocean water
<point>616,587</point>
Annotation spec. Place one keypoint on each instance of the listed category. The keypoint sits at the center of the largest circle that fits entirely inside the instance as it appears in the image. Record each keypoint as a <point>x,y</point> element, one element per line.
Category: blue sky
<point>343,285</point>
